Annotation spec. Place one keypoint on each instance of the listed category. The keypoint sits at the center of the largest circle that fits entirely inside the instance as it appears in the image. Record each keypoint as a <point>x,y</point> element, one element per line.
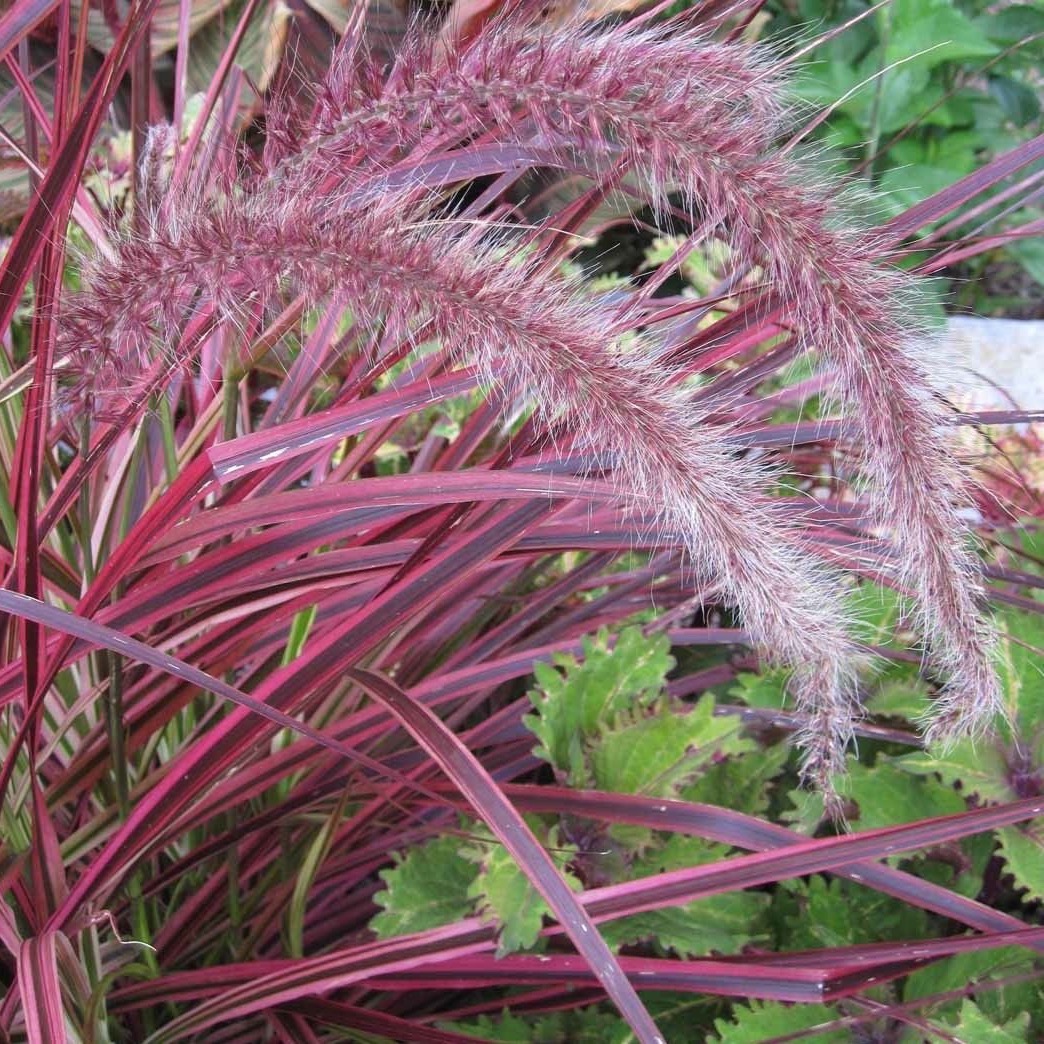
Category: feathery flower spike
<point>699,117</point>
<point>527,330</point>
<point>685,113</point>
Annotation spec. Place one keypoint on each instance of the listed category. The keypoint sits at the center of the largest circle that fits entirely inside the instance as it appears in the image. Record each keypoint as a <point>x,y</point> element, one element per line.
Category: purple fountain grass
<point>528,330</point>
<point>272,491</point>
<point>571,83</point>
<point>682,112</point>
<point>698,117</point>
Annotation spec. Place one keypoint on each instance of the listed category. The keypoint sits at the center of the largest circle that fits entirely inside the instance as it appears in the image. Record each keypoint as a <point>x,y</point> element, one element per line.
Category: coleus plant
<point>610,723</point>
<point>260,512</point>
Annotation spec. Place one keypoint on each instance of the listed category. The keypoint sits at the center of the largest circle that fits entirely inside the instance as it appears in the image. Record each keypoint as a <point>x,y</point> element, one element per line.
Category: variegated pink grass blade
<point>810,976</point>
<point>320,975</point>
<point>482,793</point>
<point>19,19</point>
<point>41,991</point>
<point>710,879</point>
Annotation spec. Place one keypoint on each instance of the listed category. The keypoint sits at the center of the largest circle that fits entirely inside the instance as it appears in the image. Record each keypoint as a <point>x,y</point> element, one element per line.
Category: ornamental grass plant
<point>318,433</point>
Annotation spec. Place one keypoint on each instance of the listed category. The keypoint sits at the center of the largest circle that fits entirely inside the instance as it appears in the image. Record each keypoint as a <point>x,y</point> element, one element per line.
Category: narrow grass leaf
<point>20,19</point>
<point>743,831</point>
<point>485,796</point>
<point>40,989</point>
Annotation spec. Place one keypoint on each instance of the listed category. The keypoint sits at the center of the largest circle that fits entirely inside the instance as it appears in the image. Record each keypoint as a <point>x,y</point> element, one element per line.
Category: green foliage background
<point>920,93</point>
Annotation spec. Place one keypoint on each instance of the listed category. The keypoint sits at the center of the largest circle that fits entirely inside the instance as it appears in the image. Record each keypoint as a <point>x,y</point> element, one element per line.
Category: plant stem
<point>885,22</point>
<point>170,448</point>
<point>230,397</point>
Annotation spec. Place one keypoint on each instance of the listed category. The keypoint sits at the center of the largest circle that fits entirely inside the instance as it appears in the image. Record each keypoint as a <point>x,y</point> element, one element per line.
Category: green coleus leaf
<point>907,186</point>
<point>957,972</point>
<point>1023,852</point>
<point>682,1016</point>
<point>658,752</point>
<point>505,1028</point>
<point>905,93</point>
<point>979,768</point>
<point>807,812</point>
<point>1006,1000</point>
<point>823,82</point>
<point>718,924</point>
<point>1020,668</point>
<point>821,913</point>
<point>428,888</point>
<point>876,612</point>
<point>677,852</point>
<point>767,690</point>
<point>573,701</point>
<point>502,892</point>
<point>973,1027</point>
<point>887,796</point>
<point>760,1022</point>
<point>589,1025</point>
<point>984,768</point>
<point>899,698</point>
<point>742,782</point>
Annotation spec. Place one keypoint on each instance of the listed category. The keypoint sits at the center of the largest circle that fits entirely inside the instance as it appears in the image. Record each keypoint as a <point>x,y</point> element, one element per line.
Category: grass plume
<point>700,117</point>
<point>686,114</point>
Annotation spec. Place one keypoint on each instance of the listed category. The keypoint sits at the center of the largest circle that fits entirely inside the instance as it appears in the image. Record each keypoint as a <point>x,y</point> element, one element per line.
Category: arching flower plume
<point>699,118</point>
<point>685,114</point>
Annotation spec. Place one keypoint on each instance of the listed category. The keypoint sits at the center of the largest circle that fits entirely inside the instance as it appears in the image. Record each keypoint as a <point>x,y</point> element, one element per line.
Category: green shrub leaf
<point>1023,852</point>
<point>718,924</point>
<point>979,768</point>
<point>760,1022</point>
<point>505,894</point>
<point>662,751</point>
<point>821,912</point>
<point>886,796</point>
<point>428,888</point>
<point>975,1028</point>
<point>573,701</point>
<point>957,972</point>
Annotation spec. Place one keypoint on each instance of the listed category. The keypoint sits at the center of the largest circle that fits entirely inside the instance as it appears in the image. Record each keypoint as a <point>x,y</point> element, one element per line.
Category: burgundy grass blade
<point>417,490</point>
<point>104,637</point>
<point>947,200</point>
<point>368,1020</point>
<point>355,634</point>
<point>238,457</point>
<point>41,990</point>
<point>486,798</point>
<point>19,20</point>
<point>809,976</point>
<point>742,831</point>
<point>804,858</point>
<point>303,478</point>
<point>63,175</point>
<point>238,992</point>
